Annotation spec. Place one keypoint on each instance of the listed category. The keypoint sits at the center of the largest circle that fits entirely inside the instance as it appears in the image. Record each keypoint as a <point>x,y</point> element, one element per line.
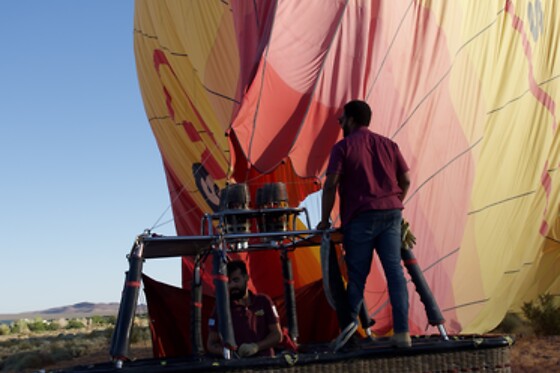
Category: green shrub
<point>4,329</point>
<point>19,326</point>
<point>97,320</point>
<point>75,324</point>
<point>140,334</point>
<point>38,325</point>
<point>103,320</point>
<point>53,325</point>
<point>544,315</point>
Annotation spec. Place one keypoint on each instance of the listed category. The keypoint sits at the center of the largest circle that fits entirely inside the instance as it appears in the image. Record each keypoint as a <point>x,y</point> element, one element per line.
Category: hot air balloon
<point>249,92</point>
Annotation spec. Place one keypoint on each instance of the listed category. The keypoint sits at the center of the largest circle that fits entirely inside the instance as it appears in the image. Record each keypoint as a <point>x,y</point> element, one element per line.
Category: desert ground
<point>536,354</point>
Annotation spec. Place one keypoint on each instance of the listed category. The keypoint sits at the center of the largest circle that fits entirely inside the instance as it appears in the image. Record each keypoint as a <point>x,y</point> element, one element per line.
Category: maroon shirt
<point>251,324</point>
<point>368,165</point>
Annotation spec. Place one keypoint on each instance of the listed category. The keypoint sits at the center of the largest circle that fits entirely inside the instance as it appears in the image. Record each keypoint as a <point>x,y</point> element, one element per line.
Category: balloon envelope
<point>249,91</point>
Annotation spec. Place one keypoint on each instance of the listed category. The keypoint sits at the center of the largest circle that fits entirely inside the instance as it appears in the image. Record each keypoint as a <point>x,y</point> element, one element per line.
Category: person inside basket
<point>256,325</point>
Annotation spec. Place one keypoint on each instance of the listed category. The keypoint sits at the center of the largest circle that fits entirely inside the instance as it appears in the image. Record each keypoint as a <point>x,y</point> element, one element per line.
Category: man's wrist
<point>324,224</point>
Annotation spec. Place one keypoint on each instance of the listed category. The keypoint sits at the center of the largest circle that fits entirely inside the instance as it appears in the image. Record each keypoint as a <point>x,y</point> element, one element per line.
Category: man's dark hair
<point>234,265</point>
<point>360,111</point>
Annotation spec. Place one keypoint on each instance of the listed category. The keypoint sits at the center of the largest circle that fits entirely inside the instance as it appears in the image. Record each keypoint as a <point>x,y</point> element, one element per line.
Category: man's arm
<point>404,183</point>
<point>327,201</point>
<point>213,344</point>
<point>272,339</point>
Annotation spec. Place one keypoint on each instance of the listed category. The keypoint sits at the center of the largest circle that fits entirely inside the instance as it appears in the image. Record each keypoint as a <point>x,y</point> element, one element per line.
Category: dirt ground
<point>536,354</point>
<point>528,354</point>
<point>139,351</point>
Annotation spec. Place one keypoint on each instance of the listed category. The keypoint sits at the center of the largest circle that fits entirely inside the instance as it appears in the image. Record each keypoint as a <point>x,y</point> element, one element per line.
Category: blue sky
<point>81,172</point>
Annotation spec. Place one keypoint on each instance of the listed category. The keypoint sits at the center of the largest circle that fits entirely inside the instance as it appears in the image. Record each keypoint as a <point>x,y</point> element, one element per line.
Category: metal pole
<point>125,320</point>
<point>433,312</point>
<point>225,326</point>
<point>196,310</point>
<point>290,296</point>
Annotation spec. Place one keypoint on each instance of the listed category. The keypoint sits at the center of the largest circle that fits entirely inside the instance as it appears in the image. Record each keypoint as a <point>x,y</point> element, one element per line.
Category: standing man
<point>372,179</point>
<point>256,325</point>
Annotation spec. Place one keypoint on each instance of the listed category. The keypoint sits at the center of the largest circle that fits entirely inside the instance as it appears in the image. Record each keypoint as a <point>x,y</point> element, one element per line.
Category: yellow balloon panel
<point>511,201</point>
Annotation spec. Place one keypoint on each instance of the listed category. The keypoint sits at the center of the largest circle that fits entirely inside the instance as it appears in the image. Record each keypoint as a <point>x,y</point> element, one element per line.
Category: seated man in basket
<point>256,324</point>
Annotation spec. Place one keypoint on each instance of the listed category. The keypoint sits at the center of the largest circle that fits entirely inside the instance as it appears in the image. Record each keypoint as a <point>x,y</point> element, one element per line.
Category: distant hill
<point>83,309</point>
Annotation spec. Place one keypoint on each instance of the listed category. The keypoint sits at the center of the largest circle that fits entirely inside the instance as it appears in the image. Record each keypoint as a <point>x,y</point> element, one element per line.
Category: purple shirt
<point>251,323</point>
<point>368,165</point>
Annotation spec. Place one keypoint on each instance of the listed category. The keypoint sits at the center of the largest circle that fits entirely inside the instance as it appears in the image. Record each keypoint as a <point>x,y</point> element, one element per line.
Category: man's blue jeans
<point>379,229</point>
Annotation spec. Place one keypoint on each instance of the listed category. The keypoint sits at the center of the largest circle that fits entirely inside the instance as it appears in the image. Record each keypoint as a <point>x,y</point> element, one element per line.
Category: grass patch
<point>35,352</point>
